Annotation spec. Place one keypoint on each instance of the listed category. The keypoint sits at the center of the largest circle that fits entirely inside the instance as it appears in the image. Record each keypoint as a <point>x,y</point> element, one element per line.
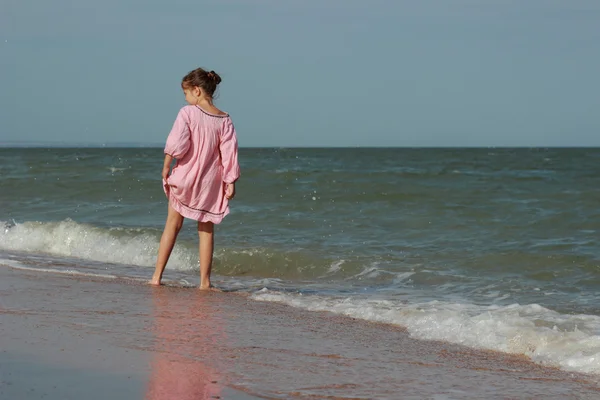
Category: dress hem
<point>190,213</point>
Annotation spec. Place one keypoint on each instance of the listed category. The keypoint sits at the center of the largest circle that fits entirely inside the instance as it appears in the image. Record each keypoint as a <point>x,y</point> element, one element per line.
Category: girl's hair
<point>207,81</point>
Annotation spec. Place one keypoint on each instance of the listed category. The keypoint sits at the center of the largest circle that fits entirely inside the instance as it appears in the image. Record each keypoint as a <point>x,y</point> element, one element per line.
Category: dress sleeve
<point>178,141</point>
<point>228,147</point>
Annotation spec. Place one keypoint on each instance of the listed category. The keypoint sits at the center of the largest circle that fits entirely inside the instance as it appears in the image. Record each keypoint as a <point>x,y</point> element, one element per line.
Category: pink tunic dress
<point>205,146</point>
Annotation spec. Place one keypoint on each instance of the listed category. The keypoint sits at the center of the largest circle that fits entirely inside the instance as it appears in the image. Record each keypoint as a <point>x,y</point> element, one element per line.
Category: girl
<point>204,143</point>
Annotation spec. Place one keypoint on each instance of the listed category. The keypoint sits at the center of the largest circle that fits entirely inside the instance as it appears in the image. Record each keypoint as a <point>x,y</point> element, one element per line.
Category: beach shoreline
<point>164,342</point>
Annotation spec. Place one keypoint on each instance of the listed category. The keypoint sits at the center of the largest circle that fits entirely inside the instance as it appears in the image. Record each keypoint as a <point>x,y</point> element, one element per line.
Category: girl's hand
<point>165,172</point>
<point>230,190</point>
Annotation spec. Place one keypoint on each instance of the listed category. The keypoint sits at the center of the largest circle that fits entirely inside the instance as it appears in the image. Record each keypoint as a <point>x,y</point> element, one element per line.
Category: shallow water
<point>69,335</point>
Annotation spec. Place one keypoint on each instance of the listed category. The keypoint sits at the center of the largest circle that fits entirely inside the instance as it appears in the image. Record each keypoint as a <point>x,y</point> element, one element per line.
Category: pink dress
<point>205,146</point>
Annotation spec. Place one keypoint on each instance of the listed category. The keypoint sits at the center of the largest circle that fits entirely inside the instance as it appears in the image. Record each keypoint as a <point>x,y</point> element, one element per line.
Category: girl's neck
<point>205,102</point>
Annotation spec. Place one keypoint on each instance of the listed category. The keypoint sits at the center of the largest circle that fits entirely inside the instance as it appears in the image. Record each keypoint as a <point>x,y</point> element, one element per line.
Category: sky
<point>305,73</point>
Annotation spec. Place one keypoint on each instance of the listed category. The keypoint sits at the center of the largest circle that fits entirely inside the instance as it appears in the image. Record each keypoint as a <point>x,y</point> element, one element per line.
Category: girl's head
<point>198,84</point>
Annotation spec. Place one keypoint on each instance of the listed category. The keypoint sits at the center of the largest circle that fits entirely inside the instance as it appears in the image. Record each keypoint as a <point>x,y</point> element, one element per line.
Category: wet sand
<point>65,337</point>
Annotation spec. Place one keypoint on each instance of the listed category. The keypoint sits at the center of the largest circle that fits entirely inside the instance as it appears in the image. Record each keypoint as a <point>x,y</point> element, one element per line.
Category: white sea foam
<point>72,239</point>
<point>335,267</point>
<point>373,271</point>
<point>570,342</point>
<point>370,271</point>
<point>115,169</point>
<point>402,276</point>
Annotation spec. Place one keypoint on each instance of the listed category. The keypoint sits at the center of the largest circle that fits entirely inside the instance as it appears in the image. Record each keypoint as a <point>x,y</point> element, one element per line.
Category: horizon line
<point>58,145</point>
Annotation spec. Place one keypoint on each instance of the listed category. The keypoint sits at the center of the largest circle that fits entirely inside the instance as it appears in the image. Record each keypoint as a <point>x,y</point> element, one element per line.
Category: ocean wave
<point>569,342</point>
<point>72,239</point>
<point>139,246</point>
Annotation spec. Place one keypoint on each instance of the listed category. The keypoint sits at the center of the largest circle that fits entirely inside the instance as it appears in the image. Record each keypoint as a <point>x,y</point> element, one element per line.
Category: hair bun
<point>207,80</point>
<point>214,76</point>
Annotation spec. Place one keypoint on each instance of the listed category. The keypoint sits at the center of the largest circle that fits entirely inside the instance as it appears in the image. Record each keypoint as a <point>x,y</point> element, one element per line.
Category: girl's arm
<point>229,158</point>
<point>167,166</point>
<point>228,147</point>
<point>178,141</point>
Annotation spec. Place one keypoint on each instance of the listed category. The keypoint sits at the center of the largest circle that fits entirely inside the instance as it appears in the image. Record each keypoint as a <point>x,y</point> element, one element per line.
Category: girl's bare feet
<point>210,287</point>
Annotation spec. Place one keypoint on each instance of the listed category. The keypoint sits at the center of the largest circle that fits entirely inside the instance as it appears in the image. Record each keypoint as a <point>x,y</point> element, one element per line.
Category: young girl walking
<point>204,144</point>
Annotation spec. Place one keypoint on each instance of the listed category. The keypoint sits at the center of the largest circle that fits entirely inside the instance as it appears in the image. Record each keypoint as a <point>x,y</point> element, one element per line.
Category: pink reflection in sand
<point>187,337</point>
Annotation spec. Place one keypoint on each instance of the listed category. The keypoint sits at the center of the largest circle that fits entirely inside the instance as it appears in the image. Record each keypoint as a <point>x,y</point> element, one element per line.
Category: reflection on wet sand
<point>187,335</point>
<point>175,343</point>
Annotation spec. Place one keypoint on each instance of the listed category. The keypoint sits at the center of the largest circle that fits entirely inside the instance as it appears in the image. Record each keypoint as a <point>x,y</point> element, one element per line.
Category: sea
<point>491,248</point>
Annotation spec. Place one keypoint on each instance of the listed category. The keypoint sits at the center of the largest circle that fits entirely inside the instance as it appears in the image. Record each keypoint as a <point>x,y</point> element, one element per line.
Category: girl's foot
<point>154,282</point>
<point>210,287</point>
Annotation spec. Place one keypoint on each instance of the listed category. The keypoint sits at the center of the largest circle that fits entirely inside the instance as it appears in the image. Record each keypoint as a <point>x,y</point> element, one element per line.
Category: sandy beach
<point>65,337</point>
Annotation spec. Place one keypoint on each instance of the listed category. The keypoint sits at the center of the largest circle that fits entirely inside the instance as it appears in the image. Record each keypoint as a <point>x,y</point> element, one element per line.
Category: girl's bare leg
<point>206,236</point>
<point>167,241</point>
